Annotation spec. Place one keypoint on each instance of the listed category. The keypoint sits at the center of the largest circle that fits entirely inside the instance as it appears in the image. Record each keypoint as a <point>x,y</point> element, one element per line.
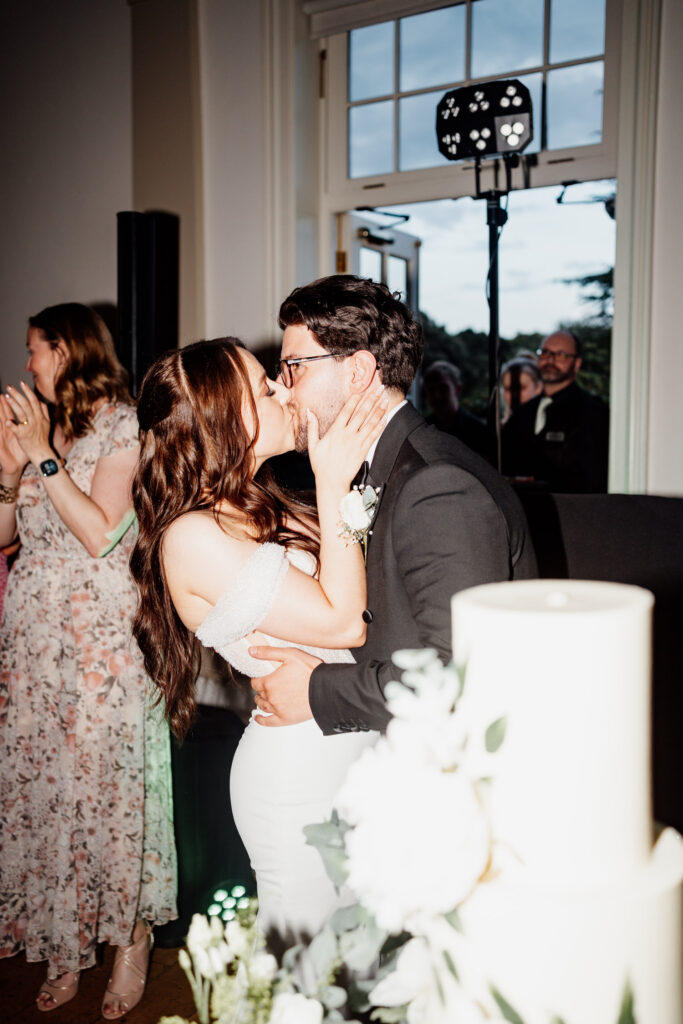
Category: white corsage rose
<point>356,512</point>
<point>353,512</point>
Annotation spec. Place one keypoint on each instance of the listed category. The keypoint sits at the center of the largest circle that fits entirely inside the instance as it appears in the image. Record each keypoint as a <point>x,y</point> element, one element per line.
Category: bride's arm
<point>200,560</point>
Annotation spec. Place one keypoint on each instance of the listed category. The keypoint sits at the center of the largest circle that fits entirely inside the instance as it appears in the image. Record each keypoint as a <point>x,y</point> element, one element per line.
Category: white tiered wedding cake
<point>580,901</point>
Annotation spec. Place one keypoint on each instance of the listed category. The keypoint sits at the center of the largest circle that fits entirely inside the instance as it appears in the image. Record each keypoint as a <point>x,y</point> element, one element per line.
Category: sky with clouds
<point>542,244</point>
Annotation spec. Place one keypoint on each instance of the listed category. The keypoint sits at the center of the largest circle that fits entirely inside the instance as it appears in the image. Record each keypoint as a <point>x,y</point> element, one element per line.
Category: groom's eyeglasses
<point>286,372</point>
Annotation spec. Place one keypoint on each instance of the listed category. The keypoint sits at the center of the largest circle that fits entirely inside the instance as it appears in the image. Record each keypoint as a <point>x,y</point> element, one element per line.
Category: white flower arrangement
<point>356,512</point>
<point>393,956</point>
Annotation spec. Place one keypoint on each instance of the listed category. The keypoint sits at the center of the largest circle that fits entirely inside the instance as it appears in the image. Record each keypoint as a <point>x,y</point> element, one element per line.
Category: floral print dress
<point>86,829</point>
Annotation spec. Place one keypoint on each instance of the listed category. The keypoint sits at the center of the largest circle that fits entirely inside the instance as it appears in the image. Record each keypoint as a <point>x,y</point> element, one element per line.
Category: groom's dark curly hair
<point>347,313</point>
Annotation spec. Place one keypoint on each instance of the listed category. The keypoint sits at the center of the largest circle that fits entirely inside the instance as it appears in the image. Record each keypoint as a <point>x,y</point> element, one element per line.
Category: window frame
<point>581,163</point>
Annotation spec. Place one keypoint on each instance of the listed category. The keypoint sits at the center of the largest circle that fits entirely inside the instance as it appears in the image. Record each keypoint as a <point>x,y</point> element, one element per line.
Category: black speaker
<point>148,261</point>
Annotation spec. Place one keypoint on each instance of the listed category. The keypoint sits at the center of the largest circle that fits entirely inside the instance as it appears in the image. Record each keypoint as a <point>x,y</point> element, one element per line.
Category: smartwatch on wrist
<point>49,467</point>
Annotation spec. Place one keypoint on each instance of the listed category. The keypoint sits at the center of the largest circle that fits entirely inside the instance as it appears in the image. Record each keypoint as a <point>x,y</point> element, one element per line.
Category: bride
<point>226,557</point>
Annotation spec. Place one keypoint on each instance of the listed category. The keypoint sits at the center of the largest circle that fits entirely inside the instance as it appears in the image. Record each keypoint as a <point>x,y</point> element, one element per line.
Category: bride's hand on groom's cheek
<point>282,695</point>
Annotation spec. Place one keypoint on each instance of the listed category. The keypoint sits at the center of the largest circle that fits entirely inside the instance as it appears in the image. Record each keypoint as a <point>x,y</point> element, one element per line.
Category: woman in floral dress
<point>86,833</point>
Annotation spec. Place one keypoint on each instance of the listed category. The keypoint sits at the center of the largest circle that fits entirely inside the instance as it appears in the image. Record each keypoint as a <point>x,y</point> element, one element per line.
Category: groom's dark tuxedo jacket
<point>446,520</point>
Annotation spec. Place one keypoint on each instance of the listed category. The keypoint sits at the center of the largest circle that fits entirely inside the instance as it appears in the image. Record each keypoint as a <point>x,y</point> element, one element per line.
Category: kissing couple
<point>228,559</point>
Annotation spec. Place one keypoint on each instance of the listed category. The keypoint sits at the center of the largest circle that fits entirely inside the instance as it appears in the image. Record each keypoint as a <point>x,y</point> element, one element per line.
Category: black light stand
<point>489,120</point>
<point>496,217</point>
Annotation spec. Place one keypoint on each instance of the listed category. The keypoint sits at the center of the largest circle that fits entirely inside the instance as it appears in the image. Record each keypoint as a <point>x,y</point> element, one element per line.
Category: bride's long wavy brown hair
<point>195,453</point>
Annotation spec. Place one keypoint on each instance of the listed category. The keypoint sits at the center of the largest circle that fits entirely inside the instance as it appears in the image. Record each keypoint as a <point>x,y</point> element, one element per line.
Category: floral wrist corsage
<point>356,512</point>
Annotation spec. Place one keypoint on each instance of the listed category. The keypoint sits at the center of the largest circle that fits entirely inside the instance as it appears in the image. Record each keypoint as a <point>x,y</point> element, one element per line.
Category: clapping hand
<point>31,432</point>
<point>340,452</point>
<point>13,458</point>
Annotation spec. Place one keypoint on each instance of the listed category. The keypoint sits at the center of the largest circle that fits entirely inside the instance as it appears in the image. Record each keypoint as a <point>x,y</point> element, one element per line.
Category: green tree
<point>469,349</point>
<point>595,330</point>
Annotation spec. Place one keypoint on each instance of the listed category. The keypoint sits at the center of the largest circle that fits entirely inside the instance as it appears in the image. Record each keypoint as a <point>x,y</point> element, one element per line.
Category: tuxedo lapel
<point>389,445</point>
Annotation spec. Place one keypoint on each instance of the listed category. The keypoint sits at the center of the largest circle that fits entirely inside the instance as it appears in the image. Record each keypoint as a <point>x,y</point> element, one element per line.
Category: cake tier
<point>567,952</point>
<point>566,664</point>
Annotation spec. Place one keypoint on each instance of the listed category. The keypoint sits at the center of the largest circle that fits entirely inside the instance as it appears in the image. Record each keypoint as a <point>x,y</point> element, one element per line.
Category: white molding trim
<point>279,192</point>
<point>327,17</point>
<point>634,246</point>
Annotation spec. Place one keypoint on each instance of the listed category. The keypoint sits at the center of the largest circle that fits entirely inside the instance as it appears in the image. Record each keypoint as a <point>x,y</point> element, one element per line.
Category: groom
<point>445,520</point>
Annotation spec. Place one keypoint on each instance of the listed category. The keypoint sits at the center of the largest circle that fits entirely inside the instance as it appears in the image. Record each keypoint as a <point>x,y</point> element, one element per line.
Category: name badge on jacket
<point>555,435</point>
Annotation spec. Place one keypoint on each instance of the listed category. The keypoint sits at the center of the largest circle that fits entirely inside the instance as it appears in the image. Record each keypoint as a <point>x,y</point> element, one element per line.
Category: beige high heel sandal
<point>59,994</point>
<point>129,974</point>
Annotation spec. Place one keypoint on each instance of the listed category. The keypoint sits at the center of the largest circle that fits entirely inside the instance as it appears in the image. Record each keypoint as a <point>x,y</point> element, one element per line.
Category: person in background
<point>86,832</point>
<point>442,387</point>
<point>560,438</point>
<point>521,381</point>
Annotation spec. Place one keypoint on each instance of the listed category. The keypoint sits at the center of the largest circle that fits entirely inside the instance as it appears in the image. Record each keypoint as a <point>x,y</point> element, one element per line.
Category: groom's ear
<point>362,368</point>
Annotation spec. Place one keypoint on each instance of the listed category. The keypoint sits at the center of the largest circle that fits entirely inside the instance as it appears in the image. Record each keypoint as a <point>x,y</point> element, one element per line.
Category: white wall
<point>259,114</point>
<point>232,45</point>
<point>665,428</point>
<point>167,167</point>
<point>65,110</point>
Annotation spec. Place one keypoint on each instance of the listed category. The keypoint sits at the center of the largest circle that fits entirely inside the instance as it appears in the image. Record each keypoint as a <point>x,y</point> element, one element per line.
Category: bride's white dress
<point>286,777</point>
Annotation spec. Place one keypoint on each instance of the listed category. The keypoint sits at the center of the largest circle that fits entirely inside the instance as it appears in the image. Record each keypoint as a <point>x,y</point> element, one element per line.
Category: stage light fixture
<point>489,120</point>
<point>227,901</point>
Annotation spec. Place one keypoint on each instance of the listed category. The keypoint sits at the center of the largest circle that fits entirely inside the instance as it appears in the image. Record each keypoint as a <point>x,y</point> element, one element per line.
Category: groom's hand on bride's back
<point>283,694</point>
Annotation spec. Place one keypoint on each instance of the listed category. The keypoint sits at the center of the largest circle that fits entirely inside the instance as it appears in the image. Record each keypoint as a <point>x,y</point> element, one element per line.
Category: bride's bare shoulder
<point>197,536</point>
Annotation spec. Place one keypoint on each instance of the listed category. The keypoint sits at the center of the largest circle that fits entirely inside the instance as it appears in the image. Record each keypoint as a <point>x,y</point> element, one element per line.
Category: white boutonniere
<point>356,512</point>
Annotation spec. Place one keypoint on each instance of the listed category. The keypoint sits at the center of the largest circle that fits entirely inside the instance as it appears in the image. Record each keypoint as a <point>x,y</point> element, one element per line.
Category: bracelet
<point>8,495</point>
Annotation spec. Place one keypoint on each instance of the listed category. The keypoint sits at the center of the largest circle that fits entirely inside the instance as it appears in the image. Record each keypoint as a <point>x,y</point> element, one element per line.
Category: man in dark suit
<point>560,439</point>
<point>445,519</point>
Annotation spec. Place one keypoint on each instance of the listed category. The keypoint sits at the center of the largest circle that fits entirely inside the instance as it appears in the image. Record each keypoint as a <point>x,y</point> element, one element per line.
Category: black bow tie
<point>361,476</point>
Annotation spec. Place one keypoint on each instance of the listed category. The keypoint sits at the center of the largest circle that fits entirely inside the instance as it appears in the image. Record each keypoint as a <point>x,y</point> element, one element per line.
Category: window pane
<point>417,132</point>
<point>506,36</point>
<point>371,61</point>
<point>432,48</point>
<point>370,264</point>
<point>575,106</point>
<point>371,139</point>
<point>397,276</point>
<point>534,84</point>
<point>577,29</point>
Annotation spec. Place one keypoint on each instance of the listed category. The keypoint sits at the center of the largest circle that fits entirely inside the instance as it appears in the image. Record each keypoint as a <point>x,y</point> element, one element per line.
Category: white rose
<point>237,938</point>
<point>424,724</point>
<point>219,956</point>
<point>413,974</point>
<point>295,1008</point>
<point>411,820</point>
<point>199,936</point>
<point>423,980</point>
<point>262,967</point>
<point>353,512</point>
<point>202,962</point>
